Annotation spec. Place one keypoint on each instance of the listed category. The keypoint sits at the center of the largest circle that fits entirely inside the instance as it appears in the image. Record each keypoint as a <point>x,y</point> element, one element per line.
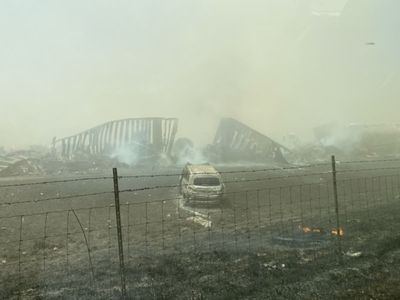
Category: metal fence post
<point>335,194</point>
<point>119,232</point>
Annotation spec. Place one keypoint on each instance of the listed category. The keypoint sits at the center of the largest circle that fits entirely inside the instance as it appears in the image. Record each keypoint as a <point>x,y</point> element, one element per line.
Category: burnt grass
<point>367,268</point>
<point>222,275</point>
<point>271,273</point>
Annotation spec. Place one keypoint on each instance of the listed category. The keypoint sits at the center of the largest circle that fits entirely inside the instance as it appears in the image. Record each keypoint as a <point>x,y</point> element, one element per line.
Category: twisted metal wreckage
<point>151,136</point>
<point>234,141</point>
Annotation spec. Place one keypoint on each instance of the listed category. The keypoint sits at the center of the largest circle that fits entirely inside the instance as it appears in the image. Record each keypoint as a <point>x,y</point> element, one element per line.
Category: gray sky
<point>278,65</point>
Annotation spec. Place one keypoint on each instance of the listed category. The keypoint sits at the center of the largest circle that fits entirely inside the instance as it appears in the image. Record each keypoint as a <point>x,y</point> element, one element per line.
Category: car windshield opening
<point>206,181</point>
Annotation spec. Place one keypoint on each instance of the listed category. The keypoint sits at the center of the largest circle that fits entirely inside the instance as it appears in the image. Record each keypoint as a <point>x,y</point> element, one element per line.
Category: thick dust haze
<point>280,66</point>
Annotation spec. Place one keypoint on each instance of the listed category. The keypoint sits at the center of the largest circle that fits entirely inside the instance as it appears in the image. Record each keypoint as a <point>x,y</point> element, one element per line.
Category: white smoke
<point>128,154</point>
<point>191,155</point>
<point>345,138</point>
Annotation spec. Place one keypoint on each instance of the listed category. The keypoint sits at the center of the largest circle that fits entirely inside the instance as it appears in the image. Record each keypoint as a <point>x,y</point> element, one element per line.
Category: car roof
<point>202,169</point>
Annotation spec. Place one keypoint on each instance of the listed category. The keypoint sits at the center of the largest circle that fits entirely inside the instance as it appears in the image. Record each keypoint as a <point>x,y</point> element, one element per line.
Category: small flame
<point>311,230</point>
<point>338,231</point>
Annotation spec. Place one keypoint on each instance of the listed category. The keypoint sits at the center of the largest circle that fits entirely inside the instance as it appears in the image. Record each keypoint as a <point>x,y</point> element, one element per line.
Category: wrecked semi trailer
<point>148,137</point>
<point>235,141</point>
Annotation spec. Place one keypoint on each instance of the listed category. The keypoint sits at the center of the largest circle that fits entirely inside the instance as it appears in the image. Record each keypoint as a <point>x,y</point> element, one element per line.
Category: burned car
<point>201,184</point>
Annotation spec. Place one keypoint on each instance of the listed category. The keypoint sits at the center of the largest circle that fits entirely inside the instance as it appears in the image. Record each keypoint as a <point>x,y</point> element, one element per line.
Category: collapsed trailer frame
<point>235,141</point>
<point>156,135</point>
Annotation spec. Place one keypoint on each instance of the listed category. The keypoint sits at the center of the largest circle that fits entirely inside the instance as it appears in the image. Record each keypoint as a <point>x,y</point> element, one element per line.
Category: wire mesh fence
<point>54,243</point>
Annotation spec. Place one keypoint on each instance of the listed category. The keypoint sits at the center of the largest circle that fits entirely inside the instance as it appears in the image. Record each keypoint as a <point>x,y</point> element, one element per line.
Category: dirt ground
<point>256,245</point>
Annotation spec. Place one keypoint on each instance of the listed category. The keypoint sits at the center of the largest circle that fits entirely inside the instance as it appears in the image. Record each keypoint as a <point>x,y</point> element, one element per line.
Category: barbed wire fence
<point>103,243</point>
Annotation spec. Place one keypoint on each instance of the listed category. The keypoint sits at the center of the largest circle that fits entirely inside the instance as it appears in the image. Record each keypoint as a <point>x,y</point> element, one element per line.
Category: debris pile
<point>351,142</point>
<point>361,140</point>
<point>22,167</point>
<point>22,162</point>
